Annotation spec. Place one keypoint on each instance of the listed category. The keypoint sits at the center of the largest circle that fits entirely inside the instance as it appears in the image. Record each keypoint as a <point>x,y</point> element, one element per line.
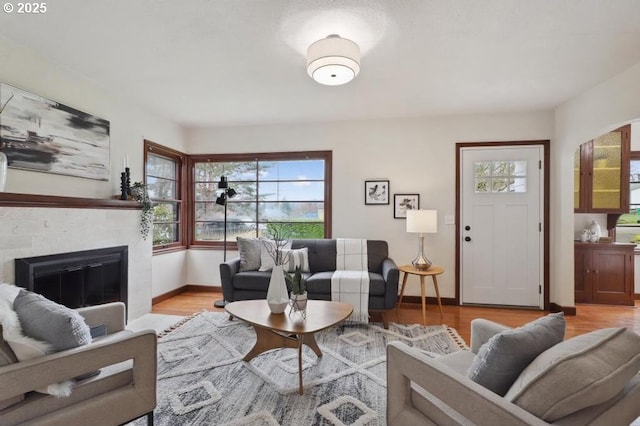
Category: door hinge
<point>540,164</point>
<point>539,226</point>
<point>539,289</point>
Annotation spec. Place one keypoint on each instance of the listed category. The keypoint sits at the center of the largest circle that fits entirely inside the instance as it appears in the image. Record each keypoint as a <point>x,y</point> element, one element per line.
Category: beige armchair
<point>424,390</point>
<point>123,390</point>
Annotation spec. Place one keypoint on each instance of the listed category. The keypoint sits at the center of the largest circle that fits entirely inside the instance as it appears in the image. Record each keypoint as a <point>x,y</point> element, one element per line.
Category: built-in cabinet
<point>601,173</point>
<point>604,273</point>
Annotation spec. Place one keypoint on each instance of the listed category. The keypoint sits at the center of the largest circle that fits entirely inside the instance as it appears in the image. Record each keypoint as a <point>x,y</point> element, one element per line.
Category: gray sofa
<point>591,379</point>
<point>383,275</point>
<point>124,388</point>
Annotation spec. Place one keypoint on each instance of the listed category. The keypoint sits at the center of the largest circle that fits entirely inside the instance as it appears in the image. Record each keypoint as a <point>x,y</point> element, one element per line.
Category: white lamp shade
<point>333,60</point>
<point>422,221</point>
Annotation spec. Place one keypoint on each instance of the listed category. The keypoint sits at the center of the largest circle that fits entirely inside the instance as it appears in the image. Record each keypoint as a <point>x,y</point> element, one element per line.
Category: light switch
<point>449,220</point>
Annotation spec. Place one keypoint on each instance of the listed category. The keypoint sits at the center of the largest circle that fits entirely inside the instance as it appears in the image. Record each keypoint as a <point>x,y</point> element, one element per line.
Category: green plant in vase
<point>298,289</point>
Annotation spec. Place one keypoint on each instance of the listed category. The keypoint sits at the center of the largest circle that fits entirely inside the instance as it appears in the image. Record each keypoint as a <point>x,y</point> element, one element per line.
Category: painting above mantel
<point>39,134</point>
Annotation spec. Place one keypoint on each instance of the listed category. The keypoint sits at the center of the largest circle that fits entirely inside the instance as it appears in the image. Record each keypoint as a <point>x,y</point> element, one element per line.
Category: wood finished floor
<point>588,318</point>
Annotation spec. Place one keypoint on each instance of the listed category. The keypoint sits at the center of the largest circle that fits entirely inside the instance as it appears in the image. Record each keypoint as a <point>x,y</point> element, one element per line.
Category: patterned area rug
<point>202,379</point>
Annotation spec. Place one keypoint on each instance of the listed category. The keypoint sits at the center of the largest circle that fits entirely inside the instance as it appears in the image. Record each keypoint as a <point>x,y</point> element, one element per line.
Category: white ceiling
<point>242,62</point>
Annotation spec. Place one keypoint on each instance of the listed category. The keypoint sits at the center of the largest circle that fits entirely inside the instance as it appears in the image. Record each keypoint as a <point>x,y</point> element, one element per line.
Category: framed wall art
<point>42,135</point>
<point>404,202</point>
<point>376,192</point>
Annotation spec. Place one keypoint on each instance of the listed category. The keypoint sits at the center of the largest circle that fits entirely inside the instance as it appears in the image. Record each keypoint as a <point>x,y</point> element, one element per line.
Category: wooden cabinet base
<point>604,273</point>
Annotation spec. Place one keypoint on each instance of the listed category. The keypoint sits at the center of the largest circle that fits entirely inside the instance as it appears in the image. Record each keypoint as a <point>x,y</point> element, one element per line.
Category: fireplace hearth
<point>77,279</point>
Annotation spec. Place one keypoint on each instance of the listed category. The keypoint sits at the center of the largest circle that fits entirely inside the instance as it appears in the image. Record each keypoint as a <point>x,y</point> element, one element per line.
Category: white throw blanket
<point>350,281</point>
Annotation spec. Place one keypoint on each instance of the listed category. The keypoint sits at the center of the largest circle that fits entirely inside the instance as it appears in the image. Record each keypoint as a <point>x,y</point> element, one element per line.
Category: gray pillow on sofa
<point>45,320</point>
<point>580,372</point>
<point>500,361</point>
<point>249,251</point>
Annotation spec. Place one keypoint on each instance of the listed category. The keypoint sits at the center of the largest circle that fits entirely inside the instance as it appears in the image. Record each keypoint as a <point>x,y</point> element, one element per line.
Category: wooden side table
<point>432,272</point>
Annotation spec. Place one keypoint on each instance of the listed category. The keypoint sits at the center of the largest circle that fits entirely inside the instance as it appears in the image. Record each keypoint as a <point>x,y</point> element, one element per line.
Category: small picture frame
<point>376,192</point>
<point>404,202</point>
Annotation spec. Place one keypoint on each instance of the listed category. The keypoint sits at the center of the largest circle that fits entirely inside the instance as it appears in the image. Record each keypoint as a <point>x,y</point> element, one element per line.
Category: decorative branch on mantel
<point>8,199</point>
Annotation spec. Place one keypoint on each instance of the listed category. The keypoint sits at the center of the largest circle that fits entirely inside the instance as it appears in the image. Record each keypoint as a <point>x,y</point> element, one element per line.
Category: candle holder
<point>127,172</point>
<point>124,186</point>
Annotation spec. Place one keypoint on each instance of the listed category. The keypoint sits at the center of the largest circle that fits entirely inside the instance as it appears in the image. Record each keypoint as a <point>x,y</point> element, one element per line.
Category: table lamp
<point>422,222</point>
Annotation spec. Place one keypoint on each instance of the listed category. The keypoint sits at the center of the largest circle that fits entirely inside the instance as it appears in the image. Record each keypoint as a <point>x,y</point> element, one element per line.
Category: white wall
<point>595,112</point>
<point>130,125</point>
<point>416,155</point>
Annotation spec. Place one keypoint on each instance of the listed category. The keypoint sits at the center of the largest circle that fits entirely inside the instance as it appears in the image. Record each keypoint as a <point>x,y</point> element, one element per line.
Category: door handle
<point>467,228</point>
<point>467,238</point>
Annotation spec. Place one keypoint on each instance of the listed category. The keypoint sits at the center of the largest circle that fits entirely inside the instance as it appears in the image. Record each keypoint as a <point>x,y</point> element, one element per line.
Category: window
<point>628,226</point>
<point>288,188</point>
<point>164,180</point>
<point>500,176</point>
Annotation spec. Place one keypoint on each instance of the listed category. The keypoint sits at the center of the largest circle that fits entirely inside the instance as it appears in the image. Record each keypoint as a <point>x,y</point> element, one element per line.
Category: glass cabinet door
<point>607,163</point>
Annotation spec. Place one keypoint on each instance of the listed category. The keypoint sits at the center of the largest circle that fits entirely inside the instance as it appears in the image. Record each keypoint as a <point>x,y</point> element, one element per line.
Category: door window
<point>500,176</point>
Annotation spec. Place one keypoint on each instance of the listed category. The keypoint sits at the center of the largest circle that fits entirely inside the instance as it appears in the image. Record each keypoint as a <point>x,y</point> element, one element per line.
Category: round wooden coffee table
<point>275,331</point>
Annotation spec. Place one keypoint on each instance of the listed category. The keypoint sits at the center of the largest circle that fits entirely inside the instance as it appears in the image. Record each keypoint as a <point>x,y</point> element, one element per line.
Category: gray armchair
<point>124,388</point>
<point>422,390</point>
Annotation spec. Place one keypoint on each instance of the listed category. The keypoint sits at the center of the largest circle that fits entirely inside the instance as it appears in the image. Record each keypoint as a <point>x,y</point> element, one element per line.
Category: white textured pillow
<point>580,372</point>
<point>266,253</point>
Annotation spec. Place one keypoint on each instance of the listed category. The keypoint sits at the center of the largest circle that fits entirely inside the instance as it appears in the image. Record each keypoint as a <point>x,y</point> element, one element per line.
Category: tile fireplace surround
<point>38,231</point>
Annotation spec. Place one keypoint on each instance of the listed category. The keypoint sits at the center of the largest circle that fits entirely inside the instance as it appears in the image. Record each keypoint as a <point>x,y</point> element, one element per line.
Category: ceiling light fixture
<point>333,60</point>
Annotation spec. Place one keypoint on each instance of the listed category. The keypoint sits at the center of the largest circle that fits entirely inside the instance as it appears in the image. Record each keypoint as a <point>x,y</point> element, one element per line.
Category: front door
<point>501,223</point>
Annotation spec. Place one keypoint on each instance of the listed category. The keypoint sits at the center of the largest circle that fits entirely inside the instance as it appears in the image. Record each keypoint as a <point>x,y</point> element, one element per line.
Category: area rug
<point>202,379</point>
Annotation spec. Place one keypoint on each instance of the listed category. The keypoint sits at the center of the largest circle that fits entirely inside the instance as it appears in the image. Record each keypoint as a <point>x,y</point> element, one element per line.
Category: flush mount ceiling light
<point>333,60</point>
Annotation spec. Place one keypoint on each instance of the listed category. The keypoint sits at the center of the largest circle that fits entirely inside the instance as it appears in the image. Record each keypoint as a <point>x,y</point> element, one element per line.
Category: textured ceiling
<point>242,62</point>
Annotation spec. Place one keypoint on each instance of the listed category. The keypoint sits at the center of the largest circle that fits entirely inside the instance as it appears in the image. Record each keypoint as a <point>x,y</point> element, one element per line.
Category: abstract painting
<point>42,135</point>
<point>376,192</point>
<point>404,202</point>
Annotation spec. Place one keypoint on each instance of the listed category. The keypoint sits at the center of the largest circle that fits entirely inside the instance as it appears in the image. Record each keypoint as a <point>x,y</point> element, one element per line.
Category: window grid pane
<point>291,192</point>
<point>500,176</point>
<point>162,178</point>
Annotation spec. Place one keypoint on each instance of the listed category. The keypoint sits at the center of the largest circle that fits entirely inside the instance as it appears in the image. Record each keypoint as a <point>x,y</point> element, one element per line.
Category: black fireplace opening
<point>77,279</point>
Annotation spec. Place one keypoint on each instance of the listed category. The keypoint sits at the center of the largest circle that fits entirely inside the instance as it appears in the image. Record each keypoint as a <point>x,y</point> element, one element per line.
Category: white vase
<point>3,170</point>
<point>277,295</point>
<point>299,301</point>
<point>595,231</point>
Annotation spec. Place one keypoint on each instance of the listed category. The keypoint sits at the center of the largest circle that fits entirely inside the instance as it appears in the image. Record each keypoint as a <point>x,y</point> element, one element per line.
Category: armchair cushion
<point>581,372</point>
<point>500,361</point>
<point>42,319</point>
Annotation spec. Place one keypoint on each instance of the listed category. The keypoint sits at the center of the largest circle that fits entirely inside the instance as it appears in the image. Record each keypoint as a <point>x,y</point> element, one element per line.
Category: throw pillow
<point>500,361</point>
<point>267,250</point>
<point>583,371</point>
<point>25,347</point>
<point>43,319</point>
<point>249,251</point>
<point>296,258</point>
